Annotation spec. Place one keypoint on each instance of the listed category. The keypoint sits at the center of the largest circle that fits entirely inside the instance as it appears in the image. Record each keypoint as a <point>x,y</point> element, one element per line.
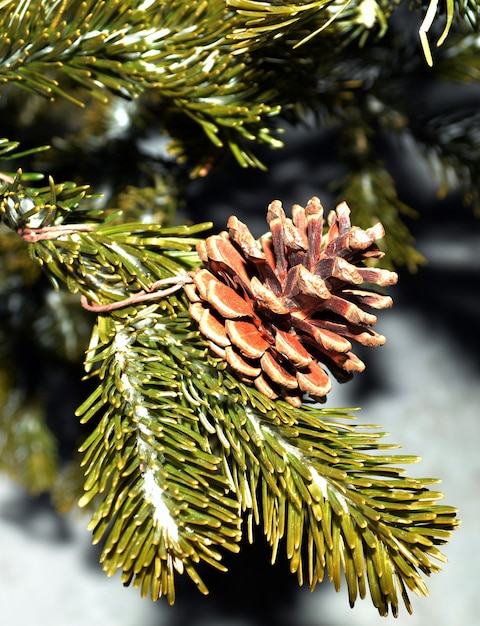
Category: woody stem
<point>142,296</point>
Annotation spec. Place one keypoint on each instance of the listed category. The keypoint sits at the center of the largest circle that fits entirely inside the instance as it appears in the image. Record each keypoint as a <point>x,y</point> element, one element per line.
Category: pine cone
<point>276,308</point>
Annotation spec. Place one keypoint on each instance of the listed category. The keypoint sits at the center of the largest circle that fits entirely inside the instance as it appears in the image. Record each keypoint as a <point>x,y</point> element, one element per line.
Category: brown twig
<point>32,235</point>
<point>141,296</point>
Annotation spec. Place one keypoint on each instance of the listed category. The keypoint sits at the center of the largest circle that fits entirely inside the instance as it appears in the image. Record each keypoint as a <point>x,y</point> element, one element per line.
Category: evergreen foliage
<point>181,458</point>
<point>181,450</point>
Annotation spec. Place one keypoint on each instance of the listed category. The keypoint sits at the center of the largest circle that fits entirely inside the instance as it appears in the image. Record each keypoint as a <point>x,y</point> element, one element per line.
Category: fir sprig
<point>165,502</point>
<point>179,49</point>
<point>299,22</point>
<point>181,452</point>
<point>23,207</point>
<point>183,458</point>
<point>183,438</point>
<point>264,21</point>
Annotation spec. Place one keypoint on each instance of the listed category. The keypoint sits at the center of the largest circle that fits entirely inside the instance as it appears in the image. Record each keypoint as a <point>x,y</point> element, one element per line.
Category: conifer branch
<point>306,476</point>
<point>299,22</point>
<point>263,21</point>
<point>182,450</point>
<point>128,48</point>
<point>147,455</point>
<point>336,506</point>
<point>206,355</point>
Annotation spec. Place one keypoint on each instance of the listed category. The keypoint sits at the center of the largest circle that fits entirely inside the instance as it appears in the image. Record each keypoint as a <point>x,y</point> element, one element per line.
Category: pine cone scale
<point>348,310</point>
<point>314,215</point>
<point>276,228</point>
<point>369,298</point>
<point>256,252</point>
<point>291,348</point>
<point>301,281</point>
<point>265,297</point>
<point>276,372</point>
<point>240,234</point>
<point>241,365</point>
<point>376,276</point>
<point>325,340</point>
<point>265,387</point>
<point>222,251</point>
<point>314,381</point>
<point>245,336</point>
<point>363,336</point>
<point>213,329</point>
<point>226,301</point>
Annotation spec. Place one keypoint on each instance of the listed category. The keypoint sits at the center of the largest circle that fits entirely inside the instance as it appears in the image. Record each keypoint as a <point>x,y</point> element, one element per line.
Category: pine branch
<point>23,207</point>
<point>181,449</point>
<point>265,21</point>
<point>305,477</point>
<point>135,48</point>
<point>160,476</point>
<point>299,22</point>
<point>127,49</point>
<point>336,506</point>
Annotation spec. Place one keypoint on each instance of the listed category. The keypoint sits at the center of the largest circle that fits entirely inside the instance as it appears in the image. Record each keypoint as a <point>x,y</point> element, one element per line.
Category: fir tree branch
<point>337,506</point>
<point>305,476</point>
<point>264,21</point>
<point>24,208</point>
<point>302,21</point>
<point>299,22</point>
<point>180,449</point>
<point>160,477</point>
<point>127,48</point>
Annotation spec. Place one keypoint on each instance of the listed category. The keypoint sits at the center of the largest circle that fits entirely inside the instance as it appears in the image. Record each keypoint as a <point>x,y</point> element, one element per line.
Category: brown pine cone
<point>276,308</point>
